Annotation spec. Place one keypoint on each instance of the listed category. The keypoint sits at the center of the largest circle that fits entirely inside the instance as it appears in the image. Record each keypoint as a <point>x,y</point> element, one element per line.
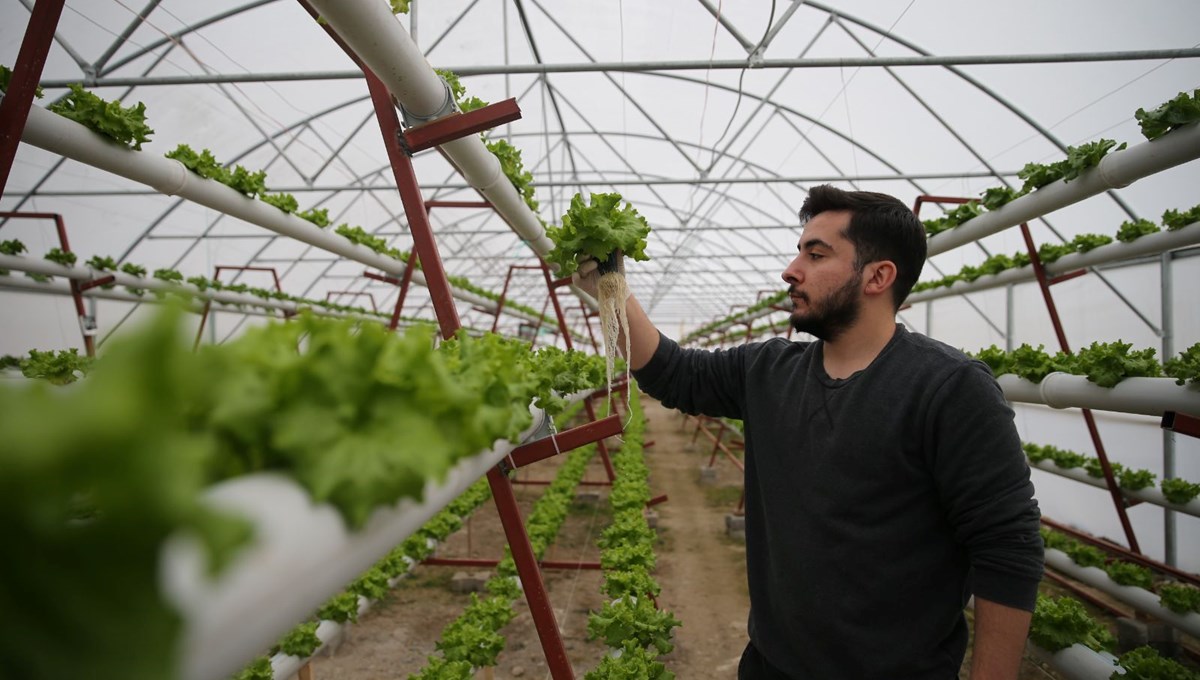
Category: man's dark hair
<point>881,228</point>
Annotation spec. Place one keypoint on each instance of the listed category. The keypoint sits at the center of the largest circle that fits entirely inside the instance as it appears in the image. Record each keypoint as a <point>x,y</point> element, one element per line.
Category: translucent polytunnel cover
<point>712,118</point>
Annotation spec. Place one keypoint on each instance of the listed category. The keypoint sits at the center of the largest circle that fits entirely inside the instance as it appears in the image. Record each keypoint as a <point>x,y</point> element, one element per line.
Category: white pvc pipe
<point>387,49</point>
<point>1149,495</point>
<point>1078,662</point>
<point>284,666</point>
<point>302,554</point>
<point>1147,396</point>
<point>1151,244</point>
<point>1116,170</point>
<point>1139,598</point>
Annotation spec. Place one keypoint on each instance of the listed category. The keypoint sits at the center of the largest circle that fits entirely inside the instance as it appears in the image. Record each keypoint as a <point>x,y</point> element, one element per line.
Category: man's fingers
<point>587,266</point>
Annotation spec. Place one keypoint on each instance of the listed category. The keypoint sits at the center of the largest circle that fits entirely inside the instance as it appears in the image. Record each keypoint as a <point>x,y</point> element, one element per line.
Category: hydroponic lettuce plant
<point>634,661</point>
<point>1060,623</point>
<point>10,247</point>
<point>301,641</point>
<point>1179,597</point>
<point>1175,220</point>
<point>125,126</point>
<point>1185,367</point>
<point>620,621</point>
<point>602,230</point>
<point>1181,110</point>
<point>56,367</point>
<point>1145,663</point>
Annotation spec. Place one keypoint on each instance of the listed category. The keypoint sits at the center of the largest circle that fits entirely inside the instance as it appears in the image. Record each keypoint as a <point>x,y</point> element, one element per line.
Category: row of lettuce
<point>631,623</point>
<point>1104,363</point>
<point>102,264</point>
<point>1048,253</point>
<point>1180,111</point>
<point>1059,623</point>
<point>101,472</point>
<point>127,127</point>
<point>1175,490</point>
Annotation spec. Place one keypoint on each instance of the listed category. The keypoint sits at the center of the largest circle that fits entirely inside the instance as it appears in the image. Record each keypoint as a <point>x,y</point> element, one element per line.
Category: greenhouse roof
<point>711,118</point>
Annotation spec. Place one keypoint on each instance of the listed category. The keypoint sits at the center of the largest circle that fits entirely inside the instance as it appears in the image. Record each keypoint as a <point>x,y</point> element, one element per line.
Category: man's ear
<point>878,277</point>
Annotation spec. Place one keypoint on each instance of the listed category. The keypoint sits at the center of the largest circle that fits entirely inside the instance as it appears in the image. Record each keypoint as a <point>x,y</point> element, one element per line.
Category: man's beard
<point>830,317</point>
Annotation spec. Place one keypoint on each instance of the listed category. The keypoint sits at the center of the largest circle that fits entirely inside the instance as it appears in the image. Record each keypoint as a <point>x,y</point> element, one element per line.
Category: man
<point>885,482</point>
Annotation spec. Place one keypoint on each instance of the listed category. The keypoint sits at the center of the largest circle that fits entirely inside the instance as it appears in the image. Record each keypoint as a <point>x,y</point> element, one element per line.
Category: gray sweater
<point>875,505</point>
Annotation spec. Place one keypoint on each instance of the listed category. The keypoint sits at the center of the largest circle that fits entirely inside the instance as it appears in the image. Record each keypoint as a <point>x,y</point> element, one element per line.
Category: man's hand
<point>587,276</point>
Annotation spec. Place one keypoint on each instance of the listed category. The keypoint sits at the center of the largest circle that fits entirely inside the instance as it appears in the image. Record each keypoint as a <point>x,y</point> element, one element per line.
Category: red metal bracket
<point>455,126</point>
<point>60,227</point>
<point>102,281</point>
<point>430,205</point>
<point>1181,423</point>
<point>1067,277</point>
<point>217,277</point>
<point>568,440</point>
<point>656,501</point>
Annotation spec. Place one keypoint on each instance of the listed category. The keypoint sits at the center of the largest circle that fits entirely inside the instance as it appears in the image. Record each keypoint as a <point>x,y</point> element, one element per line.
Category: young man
<point>885,482</point>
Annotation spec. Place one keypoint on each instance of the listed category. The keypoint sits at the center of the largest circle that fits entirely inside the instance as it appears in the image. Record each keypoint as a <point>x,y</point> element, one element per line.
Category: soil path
<point>702,572</point>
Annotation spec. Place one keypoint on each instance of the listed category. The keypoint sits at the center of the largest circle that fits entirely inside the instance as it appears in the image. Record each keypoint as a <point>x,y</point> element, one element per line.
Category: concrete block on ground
<point>735,527</point>
<point>472,582</point>
<point>708,476</point>
<point>1131,634</point>
<point>652,519</point>
<point>587,497</point>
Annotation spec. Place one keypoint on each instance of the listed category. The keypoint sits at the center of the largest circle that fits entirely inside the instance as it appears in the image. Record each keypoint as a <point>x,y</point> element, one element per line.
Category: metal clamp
<point>448,106</point>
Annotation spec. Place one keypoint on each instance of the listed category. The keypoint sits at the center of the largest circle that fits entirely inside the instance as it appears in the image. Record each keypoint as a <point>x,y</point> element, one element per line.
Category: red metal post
<point>89,342</point>
<point>27,71</point>
<point>425,247</point>
<point>217,277</point>
<point>1113,489</point>
<point>453,127</point>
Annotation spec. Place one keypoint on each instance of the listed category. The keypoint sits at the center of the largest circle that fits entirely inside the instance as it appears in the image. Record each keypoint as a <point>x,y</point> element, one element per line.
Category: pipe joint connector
<point>448,106</point>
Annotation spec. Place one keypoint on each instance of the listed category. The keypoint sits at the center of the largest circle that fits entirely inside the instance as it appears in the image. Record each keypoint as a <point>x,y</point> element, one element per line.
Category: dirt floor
<point>701,570</point>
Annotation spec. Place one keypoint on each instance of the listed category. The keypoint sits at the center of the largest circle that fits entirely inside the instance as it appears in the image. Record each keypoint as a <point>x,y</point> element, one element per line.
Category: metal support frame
<point>1110,480</point>
<point>204,312</point>
<point>425,248</point>
<point>403,282</point>
<point>87,323</point>
<point>720,447</point>
<point>14,106</point>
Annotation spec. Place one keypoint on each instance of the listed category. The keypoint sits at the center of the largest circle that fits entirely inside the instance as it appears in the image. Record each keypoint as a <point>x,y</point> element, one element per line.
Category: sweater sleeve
<point>695,381</point>
<point>984,484</point>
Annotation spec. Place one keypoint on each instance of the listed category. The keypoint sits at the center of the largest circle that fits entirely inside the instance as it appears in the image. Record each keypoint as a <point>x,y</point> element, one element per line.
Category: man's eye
<point>815,256</point>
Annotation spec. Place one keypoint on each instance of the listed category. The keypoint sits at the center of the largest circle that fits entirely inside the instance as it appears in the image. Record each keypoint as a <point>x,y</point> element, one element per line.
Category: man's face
<point>824,285</point>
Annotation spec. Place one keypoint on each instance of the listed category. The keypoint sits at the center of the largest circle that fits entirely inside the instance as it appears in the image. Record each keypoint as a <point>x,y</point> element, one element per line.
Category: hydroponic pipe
<point>1116,170</point>
<point>1151,244</point>
<point>1147,396</point>
<point>48,268</point>
<point>303,554</point>
<point>371,30</point>
<point>58,135</point>
<point>26,285</point>
<point>1078,662</point>
<point>1139,598</point>
<point>1149,495</point>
